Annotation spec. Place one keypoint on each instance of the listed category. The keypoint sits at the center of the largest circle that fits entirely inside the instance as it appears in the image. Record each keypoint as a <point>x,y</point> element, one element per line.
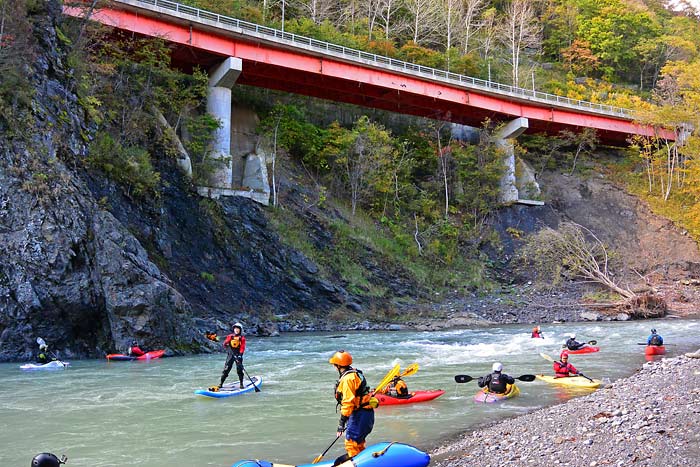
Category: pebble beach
<point>651,418</point>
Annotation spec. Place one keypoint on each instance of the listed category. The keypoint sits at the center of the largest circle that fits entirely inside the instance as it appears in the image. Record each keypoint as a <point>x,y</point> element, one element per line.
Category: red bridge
<point>287,62</point>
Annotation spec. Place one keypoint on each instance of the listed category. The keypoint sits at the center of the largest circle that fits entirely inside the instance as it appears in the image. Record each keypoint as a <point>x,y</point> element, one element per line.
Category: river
<point>145,413</point>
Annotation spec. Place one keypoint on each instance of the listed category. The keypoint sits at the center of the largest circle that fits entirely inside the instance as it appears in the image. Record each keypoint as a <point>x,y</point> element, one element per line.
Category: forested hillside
<point>375,218</point>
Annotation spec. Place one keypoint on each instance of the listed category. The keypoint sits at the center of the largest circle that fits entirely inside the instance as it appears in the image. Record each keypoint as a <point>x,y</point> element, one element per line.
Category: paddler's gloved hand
<point>341,424</point>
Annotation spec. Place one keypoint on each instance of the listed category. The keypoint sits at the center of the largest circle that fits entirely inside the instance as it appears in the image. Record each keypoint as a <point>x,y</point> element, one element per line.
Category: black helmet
<point>46,459</point>
<point>653,331</point>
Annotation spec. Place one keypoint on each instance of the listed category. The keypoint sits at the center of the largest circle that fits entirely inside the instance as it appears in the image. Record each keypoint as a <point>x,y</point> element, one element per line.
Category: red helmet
<point>341,358</point>
<point>564,353</point>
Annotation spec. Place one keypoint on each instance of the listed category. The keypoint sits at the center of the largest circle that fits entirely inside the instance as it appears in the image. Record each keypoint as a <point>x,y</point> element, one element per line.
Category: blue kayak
<point>231,389</point>
<point>377,455</point>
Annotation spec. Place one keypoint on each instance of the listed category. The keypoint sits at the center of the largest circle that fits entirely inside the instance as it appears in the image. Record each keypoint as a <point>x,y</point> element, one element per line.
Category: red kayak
<point>588,349</point>
<point>655,350</point>
<point>152,355</point>
<point>413,397</point>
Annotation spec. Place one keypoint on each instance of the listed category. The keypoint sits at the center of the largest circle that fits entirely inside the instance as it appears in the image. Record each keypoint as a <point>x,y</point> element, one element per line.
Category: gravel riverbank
<point>650,419</point>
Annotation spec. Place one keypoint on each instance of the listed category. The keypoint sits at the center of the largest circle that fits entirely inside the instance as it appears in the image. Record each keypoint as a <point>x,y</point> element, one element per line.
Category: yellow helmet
<point>341,358</point>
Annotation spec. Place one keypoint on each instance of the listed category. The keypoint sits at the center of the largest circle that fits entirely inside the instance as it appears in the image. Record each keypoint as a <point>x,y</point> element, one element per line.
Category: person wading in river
<point>356,405</point>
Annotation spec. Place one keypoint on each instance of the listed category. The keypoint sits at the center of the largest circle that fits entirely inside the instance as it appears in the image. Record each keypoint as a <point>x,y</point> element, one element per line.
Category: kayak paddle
<point>320,456</point>
<point>594,342</point>
<point>467,378</point>
<point>546,357</point>
<point>387,379</point>
<point>581,374</point>
<point>411,369</point>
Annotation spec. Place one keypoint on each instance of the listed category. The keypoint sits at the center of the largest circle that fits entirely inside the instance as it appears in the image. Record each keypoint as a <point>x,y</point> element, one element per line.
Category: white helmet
<point>239,326</point>
<point>497,367</point>
<point>572,335</point>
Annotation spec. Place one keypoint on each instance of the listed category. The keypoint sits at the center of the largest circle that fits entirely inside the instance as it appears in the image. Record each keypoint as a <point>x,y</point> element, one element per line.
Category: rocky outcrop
<point>69,271</point>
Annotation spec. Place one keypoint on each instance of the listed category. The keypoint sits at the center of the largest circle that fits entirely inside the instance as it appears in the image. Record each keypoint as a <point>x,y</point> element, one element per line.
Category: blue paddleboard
<point>231,389</point>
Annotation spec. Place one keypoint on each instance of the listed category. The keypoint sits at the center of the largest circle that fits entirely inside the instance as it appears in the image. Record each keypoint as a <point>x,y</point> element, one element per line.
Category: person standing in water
<point>356,405</point>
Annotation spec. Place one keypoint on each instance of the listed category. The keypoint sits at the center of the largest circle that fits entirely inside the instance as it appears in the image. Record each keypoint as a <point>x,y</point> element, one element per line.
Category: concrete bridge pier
<point>233,177</point>
<point>504,136</point>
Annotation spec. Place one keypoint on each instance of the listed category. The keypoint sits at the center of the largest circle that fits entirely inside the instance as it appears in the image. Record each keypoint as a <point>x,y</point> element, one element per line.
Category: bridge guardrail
<point>348,53</point>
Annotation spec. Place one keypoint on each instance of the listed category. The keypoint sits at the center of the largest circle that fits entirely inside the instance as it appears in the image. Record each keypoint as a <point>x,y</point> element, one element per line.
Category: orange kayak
<point>655,350</point>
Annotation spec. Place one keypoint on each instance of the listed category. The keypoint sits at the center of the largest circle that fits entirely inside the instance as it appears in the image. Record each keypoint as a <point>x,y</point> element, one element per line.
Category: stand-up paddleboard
<point>377,455</point>
<point>53,365</point>
<point>231,389</point>
<point>152,355</point>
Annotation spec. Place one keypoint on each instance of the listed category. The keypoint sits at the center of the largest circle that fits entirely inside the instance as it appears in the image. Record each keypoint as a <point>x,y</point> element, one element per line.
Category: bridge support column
<point>226,179</point>
<point>504,137</point>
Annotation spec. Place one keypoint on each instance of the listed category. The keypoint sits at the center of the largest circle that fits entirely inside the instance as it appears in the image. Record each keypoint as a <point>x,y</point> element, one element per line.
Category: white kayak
<point>52,365</point>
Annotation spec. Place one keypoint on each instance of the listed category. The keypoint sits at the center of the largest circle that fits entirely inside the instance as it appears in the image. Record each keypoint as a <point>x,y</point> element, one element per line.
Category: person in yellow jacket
<point>356,405</point>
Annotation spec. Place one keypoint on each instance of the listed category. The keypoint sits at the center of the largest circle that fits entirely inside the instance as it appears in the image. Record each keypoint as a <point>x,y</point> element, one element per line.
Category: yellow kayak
<point>573,381</point>
<point>484,395</point>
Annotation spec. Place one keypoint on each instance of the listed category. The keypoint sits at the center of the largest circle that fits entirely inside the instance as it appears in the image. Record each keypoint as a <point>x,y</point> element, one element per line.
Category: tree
<point>472,10</point>
<point>450,15</point>
<point>520,30</point>
<point>364,154</point>
<point>565,253</point>
<point>424,19</point>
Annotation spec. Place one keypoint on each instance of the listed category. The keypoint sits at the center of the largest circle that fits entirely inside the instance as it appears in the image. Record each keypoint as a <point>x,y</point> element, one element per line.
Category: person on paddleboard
<point>356,404</point>
<point>573,344</point>
<point>235,347</point>
<point>43,357</point>
<point>135,350</point>
<point>537,333</point>
<point>654,338</point>
<point>496,381</point>
<point>396,388</point>
<point>562,368</point>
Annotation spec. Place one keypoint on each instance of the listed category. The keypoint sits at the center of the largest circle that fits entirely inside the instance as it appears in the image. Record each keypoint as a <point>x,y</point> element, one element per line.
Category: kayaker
<point>396,388</point>
<point>235,347</point>
<point>537,333</point>
<point>562,368</point>
<point>356,405</point>
<point>43,357</point>
<point>573,344</point>
<point>46,459</point>
<point>654,338</point>
<point>135,350</point>
<point>496,381</point>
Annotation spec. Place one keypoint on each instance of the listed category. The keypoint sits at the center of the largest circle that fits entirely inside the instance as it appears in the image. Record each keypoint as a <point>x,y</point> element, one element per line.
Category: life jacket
<point>536,334</point>
<point>656,340</point>
<point>235,342</point>
<point>398,388</point>
<point>563,369</point>
<point>496,384</point>
<point>362,395</point>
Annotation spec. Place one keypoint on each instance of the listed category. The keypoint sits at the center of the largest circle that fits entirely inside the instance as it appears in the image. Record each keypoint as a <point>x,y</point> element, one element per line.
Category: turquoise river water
<point>145,413</point>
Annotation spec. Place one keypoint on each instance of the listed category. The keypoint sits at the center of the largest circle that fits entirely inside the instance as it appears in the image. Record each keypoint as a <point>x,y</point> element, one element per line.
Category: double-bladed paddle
<point>467,378</point>
<point>593,342</point>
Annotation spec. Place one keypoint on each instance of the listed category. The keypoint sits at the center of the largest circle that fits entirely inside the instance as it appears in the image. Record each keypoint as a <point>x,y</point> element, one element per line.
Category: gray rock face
<point>69,271</point>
